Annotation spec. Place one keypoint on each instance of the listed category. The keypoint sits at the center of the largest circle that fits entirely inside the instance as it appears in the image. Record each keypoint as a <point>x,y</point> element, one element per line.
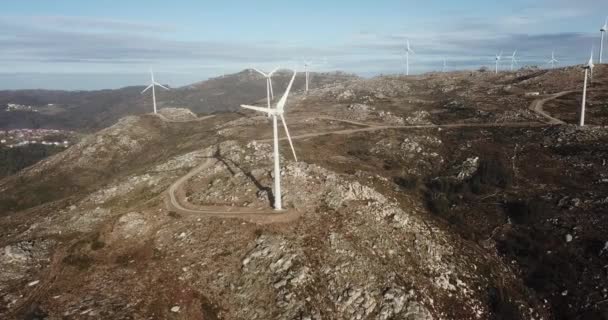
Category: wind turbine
<point>408,50</point>
<point>153,83</point>
<point>602,31</point>
<point>306,65</point>
<point>445,65</point>
<point>498,57</point>
<point>514,60</point>
<point>269,91</point>
<point>553,60</point>
<point>278,111</point>
<point>588,68</point>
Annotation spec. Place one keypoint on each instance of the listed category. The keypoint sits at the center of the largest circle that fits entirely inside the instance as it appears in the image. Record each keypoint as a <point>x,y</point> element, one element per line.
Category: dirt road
<point>256,216</point>
<point>271,216</point>
<point>537,106</point>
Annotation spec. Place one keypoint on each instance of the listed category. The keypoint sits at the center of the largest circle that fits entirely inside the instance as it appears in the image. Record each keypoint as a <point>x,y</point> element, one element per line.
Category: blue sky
<point>75,44</point>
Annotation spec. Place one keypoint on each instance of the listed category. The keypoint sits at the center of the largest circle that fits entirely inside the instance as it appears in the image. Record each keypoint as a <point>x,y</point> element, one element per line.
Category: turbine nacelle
<point>408,49</point>
<point>553,60</point>
<point>153,83</point>
<point>266,75</point>
<point>278,111</point>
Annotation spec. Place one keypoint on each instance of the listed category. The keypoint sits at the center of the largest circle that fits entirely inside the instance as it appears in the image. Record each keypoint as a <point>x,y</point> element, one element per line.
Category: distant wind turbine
<point>445,65</point>
<point>590,64</point>
<point>269,91</point>
<point>514,60</point>
<point>153,83</point>
<point>278,111</point>
<point>588,68</point>
<point>498,57</point>
<point>408,50</point>
<point>602,31</point>
<point>306,65</point>
<point>553,60</point>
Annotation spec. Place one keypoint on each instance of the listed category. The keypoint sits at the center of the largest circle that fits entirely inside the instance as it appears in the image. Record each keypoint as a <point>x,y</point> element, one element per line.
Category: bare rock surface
<point>177,114</point>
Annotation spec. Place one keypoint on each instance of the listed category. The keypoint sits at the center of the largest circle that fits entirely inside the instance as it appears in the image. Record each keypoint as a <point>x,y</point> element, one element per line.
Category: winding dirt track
<point>257,216</point>
<point>266,216</point>
<point>537,106</point>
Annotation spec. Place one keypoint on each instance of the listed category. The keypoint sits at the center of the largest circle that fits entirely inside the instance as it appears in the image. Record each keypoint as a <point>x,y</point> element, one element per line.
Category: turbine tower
<point>278,111</point>
<point>498,57</point>
<point>588,68</point>
<point>306,65</point>
<point>553,60</point>
<point>153,83</point>
<point>408,50</point>
<point>514,60</point>
<point>591,65</point>
<point>602,31</point>
<point>269,91</point>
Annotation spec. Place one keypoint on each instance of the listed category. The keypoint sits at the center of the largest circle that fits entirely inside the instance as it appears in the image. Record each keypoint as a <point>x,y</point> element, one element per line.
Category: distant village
<point>20,107</point>
<point>23,137</point>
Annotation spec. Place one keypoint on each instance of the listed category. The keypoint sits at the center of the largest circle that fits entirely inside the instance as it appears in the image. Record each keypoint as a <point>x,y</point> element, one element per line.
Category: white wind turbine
<point>588,68</point>
<point>498,57</point>
<point>269,91</point>
<point>278,111</point>
<point>306,65</point>
<point>408,50</point>
<point>553,60</point>
<point>514,60</point>
<point>153,83</point>
<point>602,31</point>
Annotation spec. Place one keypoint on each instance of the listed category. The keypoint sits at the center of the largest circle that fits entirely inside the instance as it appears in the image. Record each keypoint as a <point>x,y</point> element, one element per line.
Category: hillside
<point>93,110</point>
<point>464,195</point>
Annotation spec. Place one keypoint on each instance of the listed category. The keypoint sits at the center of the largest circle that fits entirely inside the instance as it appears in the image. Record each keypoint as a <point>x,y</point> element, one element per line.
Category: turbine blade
<point>273,71</point>
<point>260,72</point>
<point>160,85</point>
<point>289,138</point>
<point>260,109</point>
<point>270,84</point>
<point>147,88</point>
<point>281,104</point>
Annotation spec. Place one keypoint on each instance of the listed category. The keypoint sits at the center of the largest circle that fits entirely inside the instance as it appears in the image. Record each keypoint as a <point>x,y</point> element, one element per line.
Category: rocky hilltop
<point>443,196</point>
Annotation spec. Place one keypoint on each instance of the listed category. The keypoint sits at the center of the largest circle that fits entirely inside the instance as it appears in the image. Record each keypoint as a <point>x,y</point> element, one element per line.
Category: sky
<point>87,45</point>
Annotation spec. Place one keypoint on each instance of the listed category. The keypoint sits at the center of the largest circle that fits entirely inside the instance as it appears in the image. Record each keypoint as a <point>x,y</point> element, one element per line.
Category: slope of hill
<point>458,196</point>
<point>93,110</point>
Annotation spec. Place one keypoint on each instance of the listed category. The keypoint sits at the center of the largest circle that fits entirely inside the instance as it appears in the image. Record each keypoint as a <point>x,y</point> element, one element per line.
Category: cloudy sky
<point>75,44</point>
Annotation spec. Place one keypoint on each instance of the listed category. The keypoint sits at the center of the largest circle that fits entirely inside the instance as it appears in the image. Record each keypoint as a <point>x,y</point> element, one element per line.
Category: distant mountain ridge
<point>93,110</point>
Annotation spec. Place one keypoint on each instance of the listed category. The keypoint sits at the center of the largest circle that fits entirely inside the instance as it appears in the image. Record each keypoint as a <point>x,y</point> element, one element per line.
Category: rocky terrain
<point>442,196</point>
